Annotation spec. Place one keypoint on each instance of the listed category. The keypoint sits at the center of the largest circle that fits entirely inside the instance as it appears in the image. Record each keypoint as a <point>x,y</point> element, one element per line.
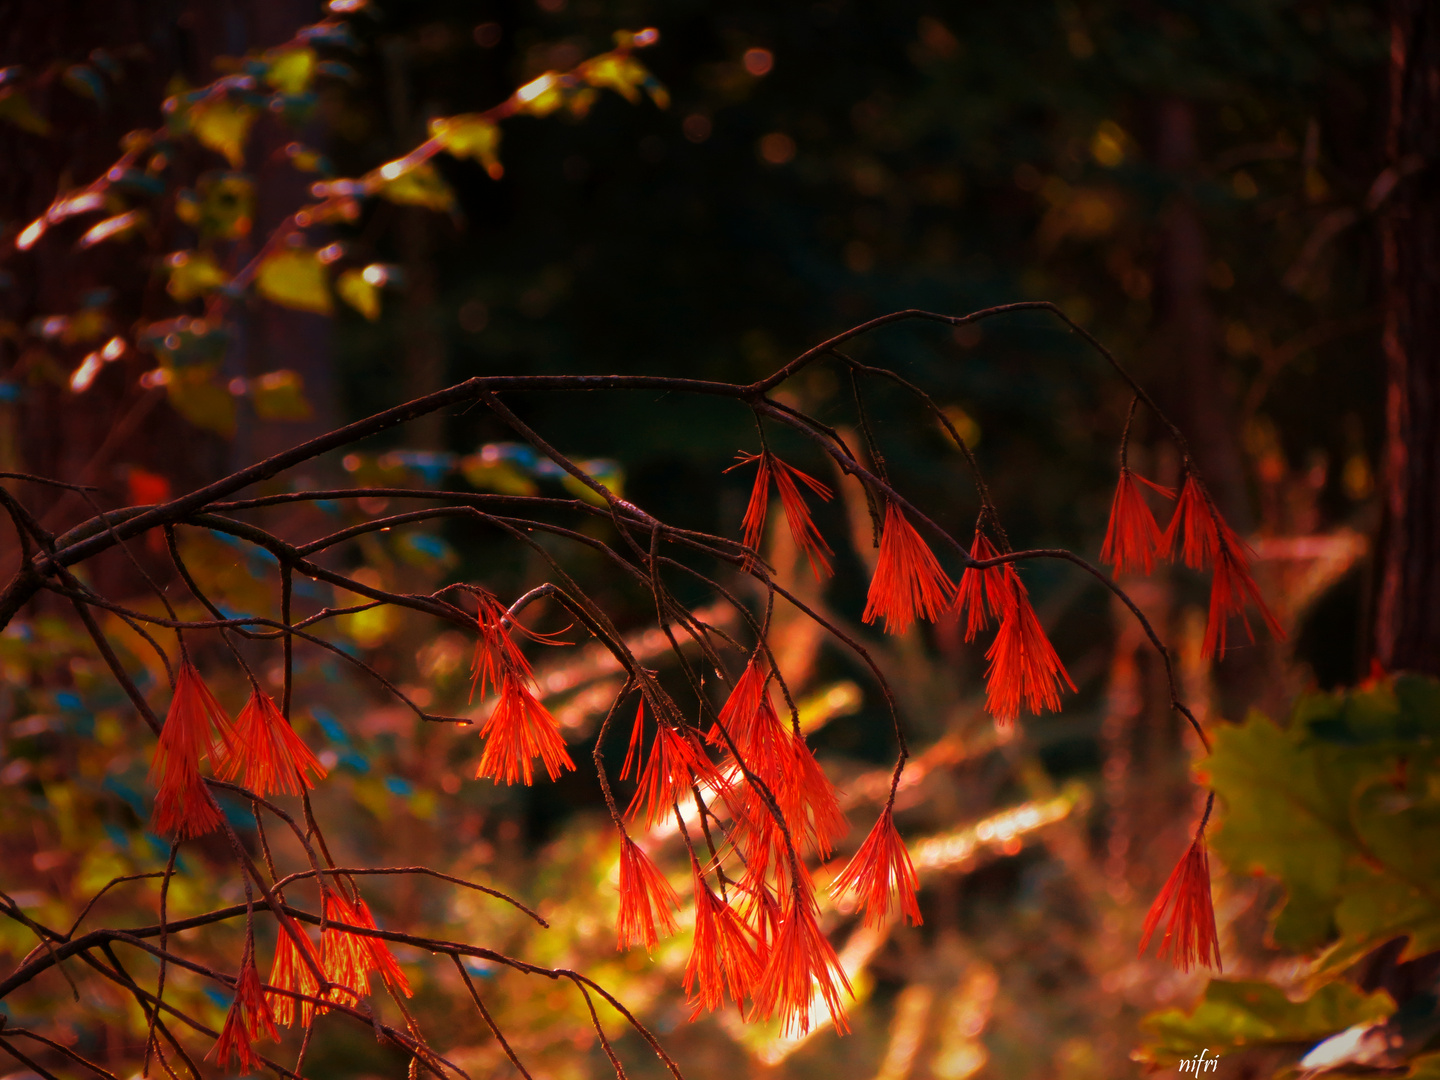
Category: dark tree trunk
<point>1407,612</point>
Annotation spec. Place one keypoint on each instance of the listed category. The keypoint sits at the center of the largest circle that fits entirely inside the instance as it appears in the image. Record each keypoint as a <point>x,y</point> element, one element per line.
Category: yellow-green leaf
<point>473,137</point>
<point>222,125</point>
<point>280,395</point>
<point>290,70</point>
<point>295,278</point>
<point>192,274</point>
<point>418,186</point>
<point>195,395</point>
<point>498,476</point>
<point>359,293</point>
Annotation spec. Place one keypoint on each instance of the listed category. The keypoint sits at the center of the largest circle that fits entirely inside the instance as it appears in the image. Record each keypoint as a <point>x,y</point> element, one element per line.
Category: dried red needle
<point>909,582</point>
<point>291,972</point>
<point>801,963</point>
<point>1132,539</point>
<point>248,1018</point>
<point>518,730</point>
<point>1230,589</point>
<point>1184,902</point>
<point>1024,666</point>
<point>797,512</point>
<point>267,751</point>
<point>646,899</point>
<point>723,958</point>
<point>880,871</point>
<point>195,725</point>
<point>982,589</point>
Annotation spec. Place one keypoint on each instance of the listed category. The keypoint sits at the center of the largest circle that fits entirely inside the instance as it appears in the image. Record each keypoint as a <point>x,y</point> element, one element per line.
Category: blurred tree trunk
<point>1407,612</point>
<point>1187,333</point>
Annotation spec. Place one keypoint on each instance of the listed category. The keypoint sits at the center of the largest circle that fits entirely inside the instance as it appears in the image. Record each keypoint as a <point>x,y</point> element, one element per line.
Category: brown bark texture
<point>1407,612</point>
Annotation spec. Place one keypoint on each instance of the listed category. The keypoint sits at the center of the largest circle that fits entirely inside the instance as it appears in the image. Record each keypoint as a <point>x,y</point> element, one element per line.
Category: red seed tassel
<point>1132,539</point>
<point>1023,664</point>
<point>290,972</point>
<point>1193,527</point>
<point>1190,935</point>
<point>801,963</point>
<point>266,749</point>
<point>880,871</point>
<point>908,581</point>
<point>1230,589</point>
<point>518,730</point>
<point>982,589</point>
<point>195,725</point>
<point>249,1017</point>
<point>723,958</point>
<point>646,899</point>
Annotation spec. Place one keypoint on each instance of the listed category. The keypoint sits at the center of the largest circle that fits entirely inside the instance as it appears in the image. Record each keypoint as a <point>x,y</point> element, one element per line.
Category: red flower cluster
<point>1199,536</point>
<point>797,513</point>
<point>519,728</point>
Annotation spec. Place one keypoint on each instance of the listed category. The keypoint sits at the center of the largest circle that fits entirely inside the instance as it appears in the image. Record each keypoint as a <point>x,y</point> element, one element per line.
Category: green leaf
<point>359,293</point>
<point>1286,815</point>
<point>295,278</point>
<point>1343,807</point>
<point>1236,1014</point>
<point>471,136</point>
<point>280,395</point>
<point>420,185</point>
<point>222,125</point>
<point>192,274</point>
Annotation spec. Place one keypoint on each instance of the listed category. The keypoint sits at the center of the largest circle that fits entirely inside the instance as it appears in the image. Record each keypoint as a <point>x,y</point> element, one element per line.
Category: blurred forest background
<point>1197,183</point>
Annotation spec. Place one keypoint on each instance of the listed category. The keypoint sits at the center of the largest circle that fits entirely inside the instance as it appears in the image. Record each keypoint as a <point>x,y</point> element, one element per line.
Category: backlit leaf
<point>222,124</point>
<point>471,136</point>
<point>193,274</point>
<point>295,278</point>
<point>290,70</point>
<point>280,395</point>
<point>359,293</point>
<point>420,185</point>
